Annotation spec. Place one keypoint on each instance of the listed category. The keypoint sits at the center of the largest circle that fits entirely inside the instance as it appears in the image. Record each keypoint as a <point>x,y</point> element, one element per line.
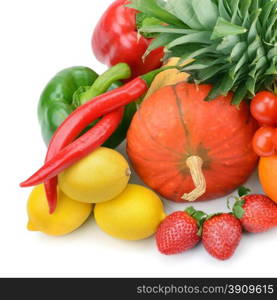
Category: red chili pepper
<point>93,138</point>
<point>81,147</point>
<point>116,39</point>
<point>81,118</point>
<point>100,86</point>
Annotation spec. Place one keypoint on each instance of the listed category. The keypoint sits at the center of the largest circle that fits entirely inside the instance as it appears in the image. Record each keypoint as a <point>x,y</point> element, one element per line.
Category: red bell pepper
<point>116,39</point>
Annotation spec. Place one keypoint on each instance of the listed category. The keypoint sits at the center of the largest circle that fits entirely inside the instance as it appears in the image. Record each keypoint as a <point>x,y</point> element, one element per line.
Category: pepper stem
<point>195,164</point>
<point>120,71</point>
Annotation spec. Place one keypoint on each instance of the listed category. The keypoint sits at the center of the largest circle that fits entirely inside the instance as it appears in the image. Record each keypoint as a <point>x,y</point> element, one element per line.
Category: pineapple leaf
<point>246,20</point>
<point>272,21</point>
<point>254,5</point>
<point>151,8</point>
<point>183,10</point>
<point>238,51</point>
<point>203,36</point>
<point>252,33</point>
<point>272,70</point>
<point>160,41</point>
<point>250,84</point>
<point>203,63</point>
<point>223,11</point>
<point>235,10</point>
<point>208,73</point>
<point>242,61</point>
<point>227,44</point>
<point>206,12</point>
<point>166,29</point>
<point>244,7</point>
<point>253,48</point>
<point>269,7</point>
<point>224,28</point>
<point>272,53</point>
<point>223,88</point>
<point>239,95</point>
<point>228,7</point>
<point>195,51</point>
<point>183,53</point>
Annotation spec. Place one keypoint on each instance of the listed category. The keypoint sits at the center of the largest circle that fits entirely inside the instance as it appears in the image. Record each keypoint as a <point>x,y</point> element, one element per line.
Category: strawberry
<point>221,235</point>
<point>179,231</point>
<point>257,213</point>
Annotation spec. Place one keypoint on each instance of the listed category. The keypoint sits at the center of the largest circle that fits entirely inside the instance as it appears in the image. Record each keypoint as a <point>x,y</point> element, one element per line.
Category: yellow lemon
<point>68,216</point>
<point>135,214</point>
<point>99,177</point>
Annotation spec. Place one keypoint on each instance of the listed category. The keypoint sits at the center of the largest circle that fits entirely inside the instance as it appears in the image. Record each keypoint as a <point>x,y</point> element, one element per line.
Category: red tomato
<point>264,108</point>
<point>263,143</point>
<point>275,138</point>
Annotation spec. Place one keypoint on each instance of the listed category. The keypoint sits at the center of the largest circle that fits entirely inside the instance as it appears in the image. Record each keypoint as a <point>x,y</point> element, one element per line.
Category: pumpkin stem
<point>195,165</point>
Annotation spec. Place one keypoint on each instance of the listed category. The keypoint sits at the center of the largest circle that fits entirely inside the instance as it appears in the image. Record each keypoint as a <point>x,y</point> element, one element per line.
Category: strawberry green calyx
<point>243,191</point>
<point>233,44</point>
<point>237,208</point>
<point>199,216</point>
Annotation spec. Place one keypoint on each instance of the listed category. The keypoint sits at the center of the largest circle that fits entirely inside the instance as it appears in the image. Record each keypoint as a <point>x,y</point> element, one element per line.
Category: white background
<point>39,38</point>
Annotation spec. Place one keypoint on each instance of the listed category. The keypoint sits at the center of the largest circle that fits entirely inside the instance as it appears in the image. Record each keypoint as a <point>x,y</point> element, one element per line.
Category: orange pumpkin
<point>268,176</point>
<point>186,148</point>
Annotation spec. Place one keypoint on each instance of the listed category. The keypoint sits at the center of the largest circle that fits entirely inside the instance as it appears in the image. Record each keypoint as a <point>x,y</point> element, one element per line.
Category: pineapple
<point>233,43</point>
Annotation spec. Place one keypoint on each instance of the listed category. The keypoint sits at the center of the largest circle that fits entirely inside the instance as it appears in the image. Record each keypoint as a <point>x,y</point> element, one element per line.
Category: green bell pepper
<point>55,102</point>
<point>74,86</point>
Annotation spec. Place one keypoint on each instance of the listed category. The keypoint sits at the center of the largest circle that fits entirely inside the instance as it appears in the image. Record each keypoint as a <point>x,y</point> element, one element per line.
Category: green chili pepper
<point>74,86</point>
